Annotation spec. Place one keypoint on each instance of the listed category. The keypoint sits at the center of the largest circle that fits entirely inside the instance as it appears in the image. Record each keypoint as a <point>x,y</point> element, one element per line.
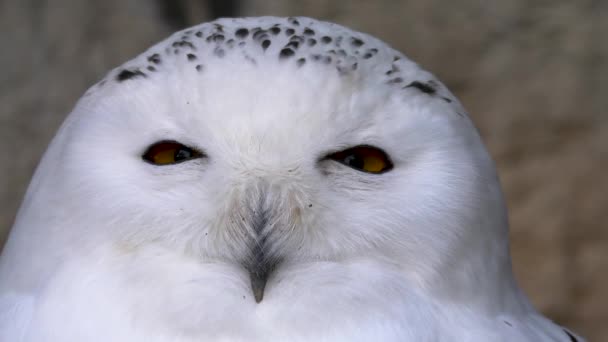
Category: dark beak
<point>260,265</point>
<point>260,268</point>
<point>258,283</point>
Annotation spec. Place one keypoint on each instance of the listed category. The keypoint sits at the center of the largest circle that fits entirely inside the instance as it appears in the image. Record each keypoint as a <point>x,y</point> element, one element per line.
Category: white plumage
<point>269,226</point>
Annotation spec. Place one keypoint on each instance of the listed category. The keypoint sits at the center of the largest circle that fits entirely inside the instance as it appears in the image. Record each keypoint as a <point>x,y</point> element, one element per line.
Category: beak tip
<point>258,284</point>
<point>259,295</point>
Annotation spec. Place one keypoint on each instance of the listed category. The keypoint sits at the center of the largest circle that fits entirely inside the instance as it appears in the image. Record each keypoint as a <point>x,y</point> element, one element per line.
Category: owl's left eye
<point>169,152</point>
<point>364,158</point>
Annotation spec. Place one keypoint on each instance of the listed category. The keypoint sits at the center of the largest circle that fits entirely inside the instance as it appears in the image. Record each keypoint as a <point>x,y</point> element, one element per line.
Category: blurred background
<point>533,75</point>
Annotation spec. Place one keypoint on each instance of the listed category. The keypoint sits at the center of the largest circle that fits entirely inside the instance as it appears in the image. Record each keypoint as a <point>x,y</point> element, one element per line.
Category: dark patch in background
<point>178,13</point>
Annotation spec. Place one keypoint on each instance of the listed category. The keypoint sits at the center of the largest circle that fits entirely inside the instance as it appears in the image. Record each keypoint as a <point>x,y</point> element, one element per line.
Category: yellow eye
<point>169,152</point>
<point>364,158</point>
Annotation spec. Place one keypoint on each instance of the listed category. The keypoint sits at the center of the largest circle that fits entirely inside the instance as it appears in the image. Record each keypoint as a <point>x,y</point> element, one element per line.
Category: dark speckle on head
<point>199,67</point>
<point>356,42</point>
<point>183,43</point>
<point>265,44</point>
<point>293,21</point>
<point>151,68</point>
<point>257,32</point>
<point>300,62</point>
<point>275,30</point>
<point>395,80</point>
<point>423,87</point>
<point>289,32</point>
<point>286,53</point>
<point>260,34</point>
<point>293,44</point>
<point>241,33</point>
<point>311,42</point>
<point>126,74</point>
<point>298,39</point>
<point>370,53</point>
<point>155,58</point>
<point>191,56</point>
<point>309,32</point>
<point>326,39</point>
<point>216,37</point>
<point>198,34</point>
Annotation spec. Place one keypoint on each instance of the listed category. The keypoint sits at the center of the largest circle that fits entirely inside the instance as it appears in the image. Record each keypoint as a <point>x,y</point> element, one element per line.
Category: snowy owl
<point>265,179</point>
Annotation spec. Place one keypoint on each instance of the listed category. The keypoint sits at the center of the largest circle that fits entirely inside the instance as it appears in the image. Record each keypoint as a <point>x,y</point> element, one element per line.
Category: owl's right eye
<point>170,152</point>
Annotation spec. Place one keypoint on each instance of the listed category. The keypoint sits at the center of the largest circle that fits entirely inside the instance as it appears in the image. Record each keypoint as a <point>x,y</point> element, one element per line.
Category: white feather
<point>15,315</point>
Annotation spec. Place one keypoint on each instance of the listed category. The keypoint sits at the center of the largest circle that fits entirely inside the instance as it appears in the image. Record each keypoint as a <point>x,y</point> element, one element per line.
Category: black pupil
<point>182,153</point>
<point>354,161</point>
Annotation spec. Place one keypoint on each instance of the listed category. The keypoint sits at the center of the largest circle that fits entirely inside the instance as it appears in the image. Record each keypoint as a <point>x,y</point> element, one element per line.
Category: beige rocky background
<point>533,74</point>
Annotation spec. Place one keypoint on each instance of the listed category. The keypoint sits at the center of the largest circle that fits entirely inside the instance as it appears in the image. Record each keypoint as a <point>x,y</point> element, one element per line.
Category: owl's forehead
<point>264,42</point>
<point>257,72</point>
<point>260,41</point>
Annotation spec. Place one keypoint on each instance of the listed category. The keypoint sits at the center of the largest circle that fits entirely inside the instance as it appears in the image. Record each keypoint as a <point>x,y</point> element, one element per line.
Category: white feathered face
<point>263,150</point>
